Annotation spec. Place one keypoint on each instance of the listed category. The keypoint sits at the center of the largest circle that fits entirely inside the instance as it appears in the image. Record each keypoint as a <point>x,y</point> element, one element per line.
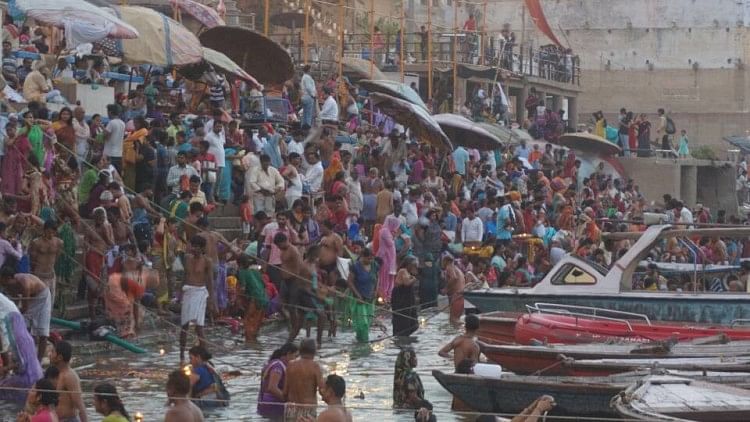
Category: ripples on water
<point>366,368</point>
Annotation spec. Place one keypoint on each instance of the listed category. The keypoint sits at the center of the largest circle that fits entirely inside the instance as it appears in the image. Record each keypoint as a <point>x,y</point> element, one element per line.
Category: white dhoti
<point>50,279</point>
<point>38,313</point>
<point>194,301</point>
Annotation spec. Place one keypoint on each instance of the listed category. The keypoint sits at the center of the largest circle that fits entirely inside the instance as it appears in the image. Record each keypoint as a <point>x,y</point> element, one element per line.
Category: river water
<point>367,369</point>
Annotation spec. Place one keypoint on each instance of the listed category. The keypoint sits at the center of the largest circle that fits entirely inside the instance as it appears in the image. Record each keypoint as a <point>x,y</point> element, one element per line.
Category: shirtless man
<point>303,379</point>
<point>99,240</point>
<point>43,253</point>
<point>121,201</point>
<point>331,247</point>
<point>455,288</point>
<point>121,230</point>
<point>212,251</point>
<point>70,407</point>
<point>190,224</point>
<point>333,393</point>
<point>291,262</point>
<point>196,292</point>
<point>36,303</point>
<point>313,293</point>
<point>181,409</point>
<point>464,346</point>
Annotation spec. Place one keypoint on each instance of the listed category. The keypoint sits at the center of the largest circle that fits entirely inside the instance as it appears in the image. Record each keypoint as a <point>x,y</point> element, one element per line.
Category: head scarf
<point>391,223</point>
<point>405,378</point>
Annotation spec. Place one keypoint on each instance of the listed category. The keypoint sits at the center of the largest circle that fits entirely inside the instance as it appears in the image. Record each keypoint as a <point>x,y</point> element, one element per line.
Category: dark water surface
<point>366,368</point>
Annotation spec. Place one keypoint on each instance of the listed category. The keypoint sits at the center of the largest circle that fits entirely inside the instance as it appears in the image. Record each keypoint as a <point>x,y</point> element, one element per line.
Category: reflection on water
<point>366,368</point>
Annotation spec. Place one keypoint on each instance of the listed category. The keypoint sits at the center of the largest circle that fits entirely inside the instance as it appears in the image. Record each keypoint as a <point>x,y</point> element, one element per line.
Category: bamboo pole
<point>429,50</point>
<point>372,38</point>
<point>266,10</point>
<point>484,32</point>
<point>401,47</point>
<point>455,48</point>
<point>307,31</point>
<point>342,4</point>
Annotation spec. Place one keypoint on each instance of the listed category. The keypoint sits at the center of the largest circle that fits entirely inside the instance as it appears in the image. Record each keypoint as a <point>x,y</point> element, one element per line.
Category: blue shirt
<point>503,216</point>
<point>460,157</point>
<point>204,381</point>
<point>271,148</point>
<point>523,152</point>
<point>450,222</point>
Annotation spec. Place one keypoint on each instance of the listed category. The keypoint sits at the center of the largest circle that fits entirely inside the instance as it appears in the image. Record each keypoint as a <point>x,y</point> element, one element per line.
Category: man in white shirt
<point>472,228</point>
<point>177,171</point>
<point>83,134</point>
<point>265,183</point>
<point>309,93</point>
<point>314,173</point>
<point>409,209</point>
<point>216,142</point>
<point>297,144</point>
<point>329,114</point>
<point>115,134</point>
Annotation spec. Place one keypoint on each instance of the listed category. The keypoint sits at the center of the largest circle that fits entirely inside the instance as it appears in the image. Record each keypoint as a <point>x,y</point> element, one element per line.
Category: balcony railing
<point>543,62</point>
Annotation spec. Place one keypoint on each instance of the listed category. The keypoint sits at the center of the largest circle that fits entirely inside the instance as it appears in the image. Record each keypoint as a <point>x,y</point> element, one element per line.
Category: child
<point>246,215</point>
<point>683,150</point>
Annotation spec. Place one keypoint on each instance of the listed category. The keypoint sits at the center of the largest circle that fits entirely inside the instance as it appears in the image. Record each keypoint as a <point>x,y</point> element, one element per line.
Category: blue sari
<point>224,190</point>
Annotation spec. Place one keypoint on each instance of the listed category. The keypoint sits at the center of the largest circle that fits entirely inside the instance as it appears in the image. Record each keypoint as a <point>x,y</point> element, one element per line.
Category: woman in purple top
<point>271,395</point>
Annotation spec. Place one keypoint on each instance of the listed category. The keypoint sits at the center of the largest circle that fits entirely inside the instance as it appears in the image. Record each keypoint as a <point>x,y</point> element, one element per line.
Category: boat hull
<point>498,327</point>
<point>510,395</point>
<point>657,306</point>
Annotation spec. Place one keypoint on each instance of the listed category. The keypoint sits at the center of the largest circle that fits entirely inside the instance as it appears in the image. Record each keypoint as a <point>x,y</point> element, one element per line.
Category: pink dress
<point>43,415</point>
<point>387,252</point>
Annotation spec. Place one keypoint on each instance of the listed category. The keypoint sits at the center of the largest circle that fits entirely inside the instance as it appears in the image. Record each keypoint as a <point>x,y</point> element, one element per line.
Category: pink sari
<point>15,164</point>
<point>387,252</point>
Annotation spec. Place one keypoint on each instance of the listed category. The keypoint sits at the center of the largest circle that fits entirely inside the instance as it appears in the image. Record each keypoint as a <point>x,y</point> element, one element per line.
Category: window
<point>573,275</point>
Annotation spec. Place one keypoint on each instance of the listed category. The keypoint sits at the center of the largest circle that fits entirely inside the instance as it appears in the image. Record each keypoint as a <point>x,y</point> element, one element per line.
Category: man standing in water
<point>454,289</point>
<point>292,289</point>
<point>303,379</point>
<point>464,346</point>
<point>36,303</point>
<point>333,393</point>
<point>43,253</point>
<point>181,409</point>
<point>99,240</point>
<point>196,292</point>
<point>70,407</point>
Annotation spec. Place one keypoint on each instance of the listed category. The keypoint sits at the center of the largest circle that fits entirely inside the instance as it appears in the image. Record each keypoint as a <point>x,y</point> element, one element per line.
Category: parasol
<point>215,59</point>
<point>202,13</point>
<point>357,68</point>
<point>588,142</point>
<point>417,119</point>
<point>257,54</point>
<point>162,41</point>
<point>464,132</point>
<point>88,22</point>
<point>505,134</point>
<point>394,89</point>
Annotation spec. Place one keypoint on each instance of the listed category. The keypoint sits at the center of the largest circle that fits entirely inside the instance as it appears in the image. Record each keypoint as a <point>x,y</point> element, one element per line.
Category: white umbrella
<point>83,22</point>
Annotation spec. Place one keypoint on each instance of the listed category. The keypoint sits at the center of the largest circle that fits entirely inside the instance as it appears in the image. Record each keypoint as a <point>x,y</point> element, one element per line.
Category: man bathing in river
<point>333,393</point>
<point>70,407</point>
<point>36,303</point>
<point>181,409</point>
<point>43,254</point>
<point>464,346</point>
<point>303,379</point>
<point>196,292</point>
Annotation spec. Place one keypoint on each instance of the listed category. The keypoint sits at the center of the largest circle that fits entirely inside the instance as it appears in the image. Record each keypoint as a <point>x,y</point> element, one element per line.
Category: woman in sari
<point>404,318</point>
<point>408,391</point>
<point>15,163</point>
<point>272,379</point>
<point>65,132</point>
<point>363,276</point>
<point>386,251</point>
<point>129,154</point>
<point>329,175</point>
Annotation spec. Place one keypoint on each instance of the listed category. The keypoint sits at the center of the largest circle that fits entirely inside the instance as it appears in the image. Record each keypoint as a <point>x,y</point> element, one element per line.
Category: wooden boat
<point>676,399</point>
<point>548,359</point>
<point>603,367</point>
<point>498,327</point>
<point>567,324</point>
<point>510,392</point>
<point>575,281</point>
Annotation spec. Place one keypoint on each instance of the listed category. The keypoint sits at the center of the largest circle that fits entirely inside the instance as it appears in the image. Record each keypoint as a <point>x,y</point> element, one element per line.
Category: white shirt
<point>308,85</point>
<point>686,216</point>
<point>330,110</point>
<point>472,230</point>
<point>269,180</point>
<point>409,210</point>
<point>82,131</point>
<point>314,176</point>
<point>216,143</point>
<point>113,144</point>
<point>294,146</point>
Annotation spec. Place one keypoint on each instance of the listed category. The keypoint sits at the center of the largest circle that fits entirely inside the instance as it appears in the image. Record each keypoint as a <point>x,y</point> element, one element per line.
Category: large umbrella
<point>394,89</point>
<point>88,22</point>
<point>357,68</point>
<point>417,119</point>
<point>257,54</point>
<point>464,132</point>
<point>588,142</point>
<point>217,60</point>
<point>163,41</point>
<point>505,134</point>
<point>202,13</point>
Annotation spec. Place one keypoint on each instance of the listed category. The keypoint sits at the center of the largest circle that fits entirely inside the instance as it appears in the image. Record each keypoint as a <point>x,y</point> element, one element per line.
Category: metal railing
<point>546,62</point>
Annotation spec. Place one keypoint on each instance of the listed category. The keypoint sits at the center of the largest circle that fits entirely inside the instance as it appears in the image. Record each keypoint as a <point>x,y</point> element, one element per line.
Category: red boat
<point>573,325</point>
<point>498,327</point>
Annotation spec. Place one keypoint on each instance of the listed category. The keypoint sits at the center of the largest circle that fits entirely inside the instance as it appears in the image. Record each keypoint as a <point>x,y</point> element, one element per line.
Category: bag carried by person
<point>670,129</point>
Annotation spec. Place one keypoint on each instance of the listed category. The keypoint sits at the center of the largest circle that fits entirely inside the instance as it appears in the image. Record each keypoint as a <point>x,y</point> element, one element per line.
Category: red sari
<point>15,164</point>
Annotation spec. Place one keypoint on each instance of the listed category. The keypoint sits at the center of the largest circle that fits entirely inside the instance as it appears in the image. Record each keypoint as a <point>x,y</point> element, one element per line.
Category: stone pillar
<point>557,102</point>
<point>523,94</point>
<point>573,112</point>
<point>688,184</point>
